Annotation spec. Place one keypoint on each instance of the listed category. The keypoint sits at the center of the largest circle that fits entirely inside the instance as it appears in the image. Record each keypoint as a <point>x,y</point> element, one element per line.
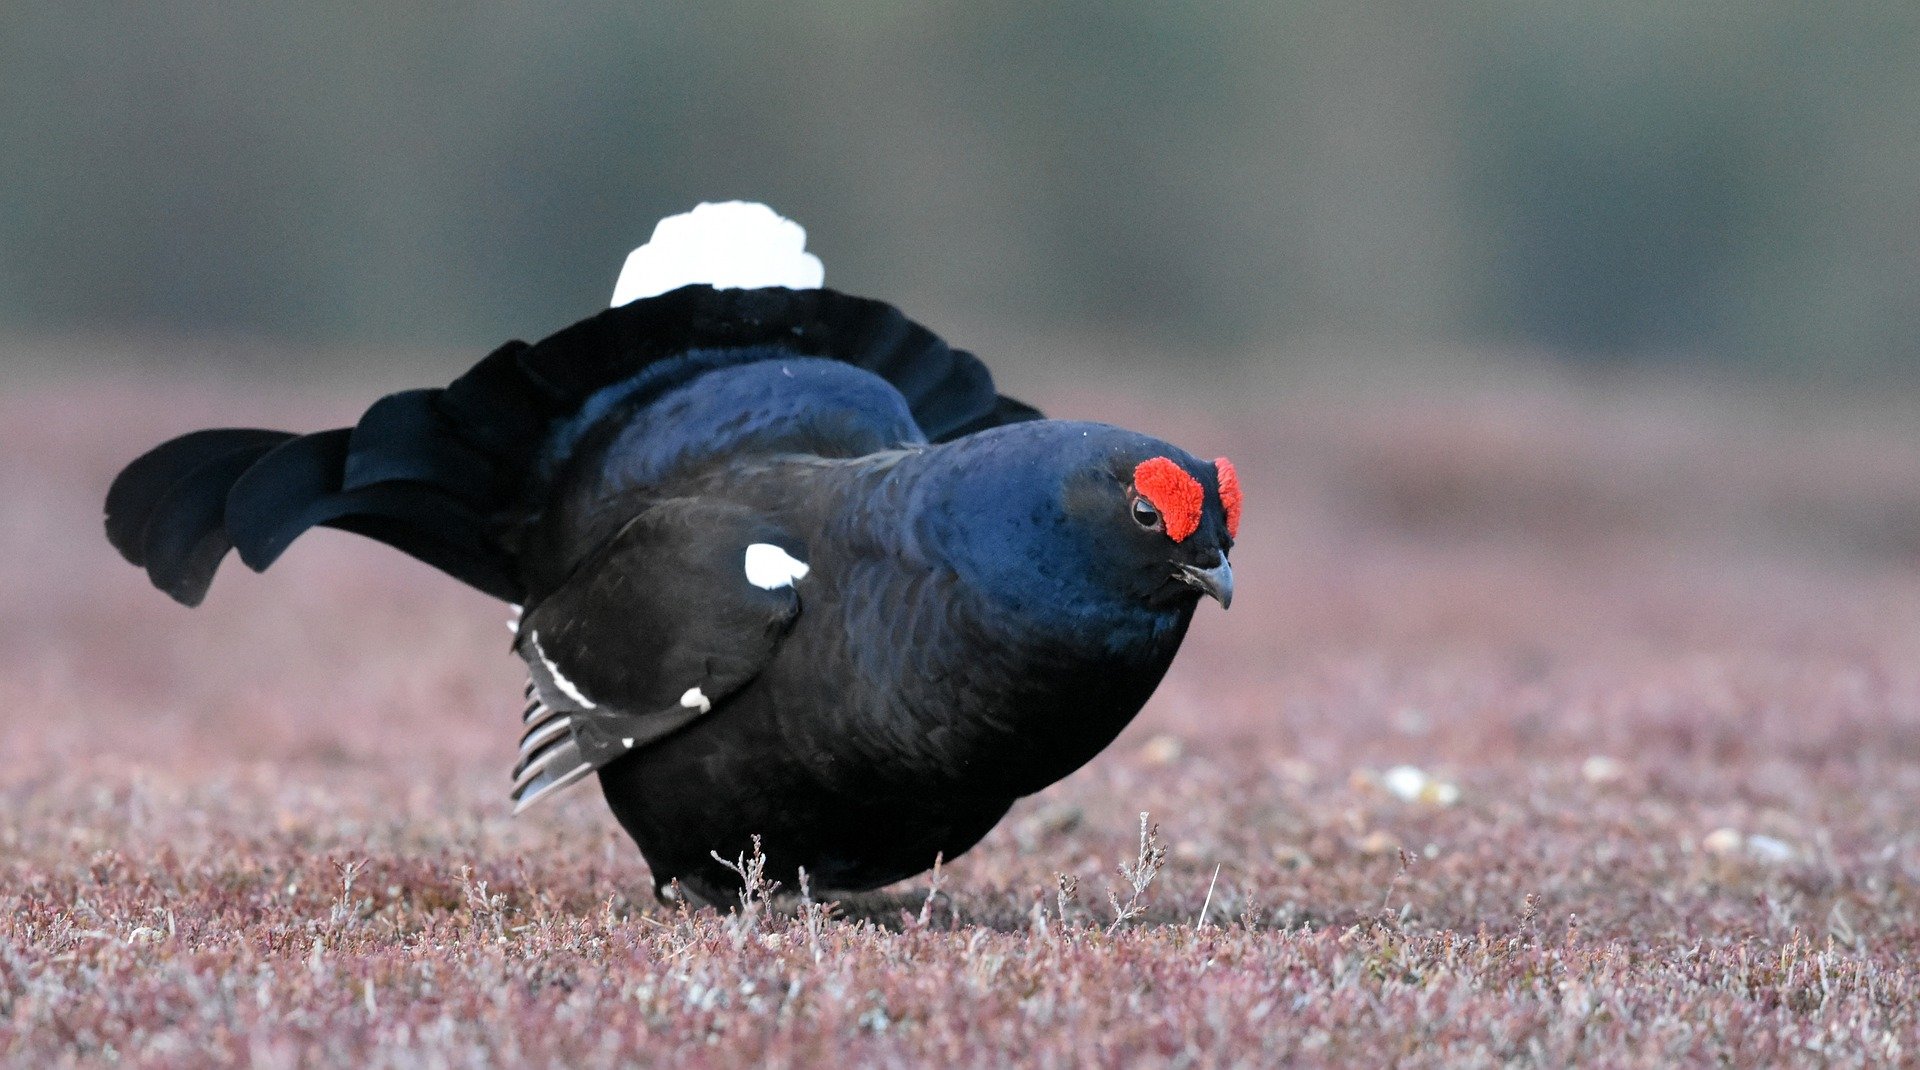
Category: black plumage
<point>790,567</point>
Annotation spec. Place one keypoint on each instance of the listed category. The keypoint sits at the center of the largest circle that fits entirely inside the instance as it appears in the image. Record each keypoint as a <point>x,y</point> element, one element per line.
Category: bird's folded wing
<point>681,608</point>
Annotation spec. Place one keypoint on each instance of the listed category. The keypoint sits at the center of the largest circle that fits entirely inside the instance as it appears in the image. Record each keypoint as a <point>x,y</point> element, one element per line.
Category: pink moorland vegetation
<point>1555,723</point>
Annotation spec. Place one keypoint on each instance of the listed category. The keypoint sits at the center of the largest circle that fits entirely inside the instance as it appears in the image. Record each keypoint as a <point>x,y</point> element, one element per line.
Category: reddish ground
<point>1665,645</point>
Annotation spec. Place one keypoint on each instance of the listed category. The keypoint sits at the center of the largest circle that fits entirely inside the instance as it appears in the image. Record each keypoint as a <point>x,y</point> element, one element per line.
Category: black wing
<point>653,631</point>
<point>448,475</point>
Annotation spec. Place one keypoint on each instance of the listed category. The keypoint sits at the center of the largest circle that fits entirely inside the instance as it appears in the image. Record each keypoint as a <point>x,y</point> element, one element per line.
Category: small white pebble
<point>1727,842</point>
<point>626,741</point>
<point>1412,784</point>
<point>1162,750</point>
<point>1404,781</point>
<point>1601,769</point>
<point>696,699</point>
<point>1721,841</point>
<point>1768,849</point>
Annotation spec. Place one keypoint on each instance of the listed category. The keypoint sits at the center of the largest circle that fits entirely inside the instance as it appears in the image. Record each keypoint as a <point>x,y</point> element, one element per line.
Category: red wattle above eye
<point>1229,494</point>
<point>1176,494</point>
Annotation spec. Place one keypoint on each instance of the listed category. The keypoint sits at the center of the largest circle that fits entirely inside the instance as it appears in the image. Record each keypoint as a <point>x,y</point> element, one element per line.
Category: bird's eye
<point>1145,515</point>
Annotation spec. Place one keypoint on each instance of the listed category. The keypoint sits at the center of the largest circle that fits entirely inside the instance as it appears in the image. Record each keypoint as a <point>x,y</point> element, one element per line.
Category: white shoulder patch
<point>729,245</point>
<point>559,678</point>
<point>769,567</point>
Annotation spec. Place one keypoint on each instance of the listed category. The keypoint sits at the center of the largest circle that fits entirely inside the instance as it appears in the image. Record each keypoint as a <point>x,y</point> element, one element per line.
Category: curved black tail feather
<point>167,510</point>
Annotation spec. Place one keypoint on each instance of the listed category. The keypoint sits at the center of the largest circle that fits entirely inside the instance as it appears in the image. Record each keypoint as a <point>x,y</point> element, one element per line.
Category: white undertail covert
<point>727,245</point>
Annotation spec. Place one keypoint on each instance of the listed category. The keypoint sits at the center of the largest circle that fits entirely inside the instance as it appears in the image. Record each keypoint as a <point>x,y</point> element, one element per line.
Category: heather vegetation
<point>1554,722</point>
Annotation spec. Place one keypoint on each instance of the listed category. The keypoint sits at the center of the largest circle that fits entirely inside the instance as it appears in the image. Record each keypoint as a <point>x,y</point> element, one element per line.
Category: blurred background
<point>1719,186</point>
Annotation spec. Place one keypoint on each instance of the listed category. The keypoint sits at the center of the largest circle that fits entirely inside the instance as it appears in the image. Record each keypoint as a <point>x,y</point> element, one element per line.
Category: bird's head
<point>1086,519</point>
<point>1194,509</point>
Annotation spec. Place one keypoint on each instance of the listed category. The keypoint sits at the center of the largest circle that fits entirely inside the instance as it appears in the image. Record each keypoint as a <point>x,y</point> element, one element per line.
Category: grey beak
<point>1216,581</point>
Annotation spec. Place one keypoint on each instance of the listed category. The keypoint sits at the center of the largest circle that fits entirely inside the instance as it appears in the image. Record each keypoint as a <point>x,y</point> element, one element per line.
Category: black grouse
<point>789,565</point>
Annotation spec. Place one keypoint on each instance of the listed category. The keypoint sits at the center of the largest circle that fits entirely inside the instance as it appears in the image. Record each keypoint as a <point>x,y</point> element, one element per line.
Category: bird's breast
<point>909,680</point>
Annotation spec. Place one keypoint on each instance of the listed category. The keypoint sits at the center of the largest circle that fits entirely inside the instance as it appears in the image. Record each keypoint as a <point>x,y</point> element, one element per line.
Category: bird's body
<point>790,568</point>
